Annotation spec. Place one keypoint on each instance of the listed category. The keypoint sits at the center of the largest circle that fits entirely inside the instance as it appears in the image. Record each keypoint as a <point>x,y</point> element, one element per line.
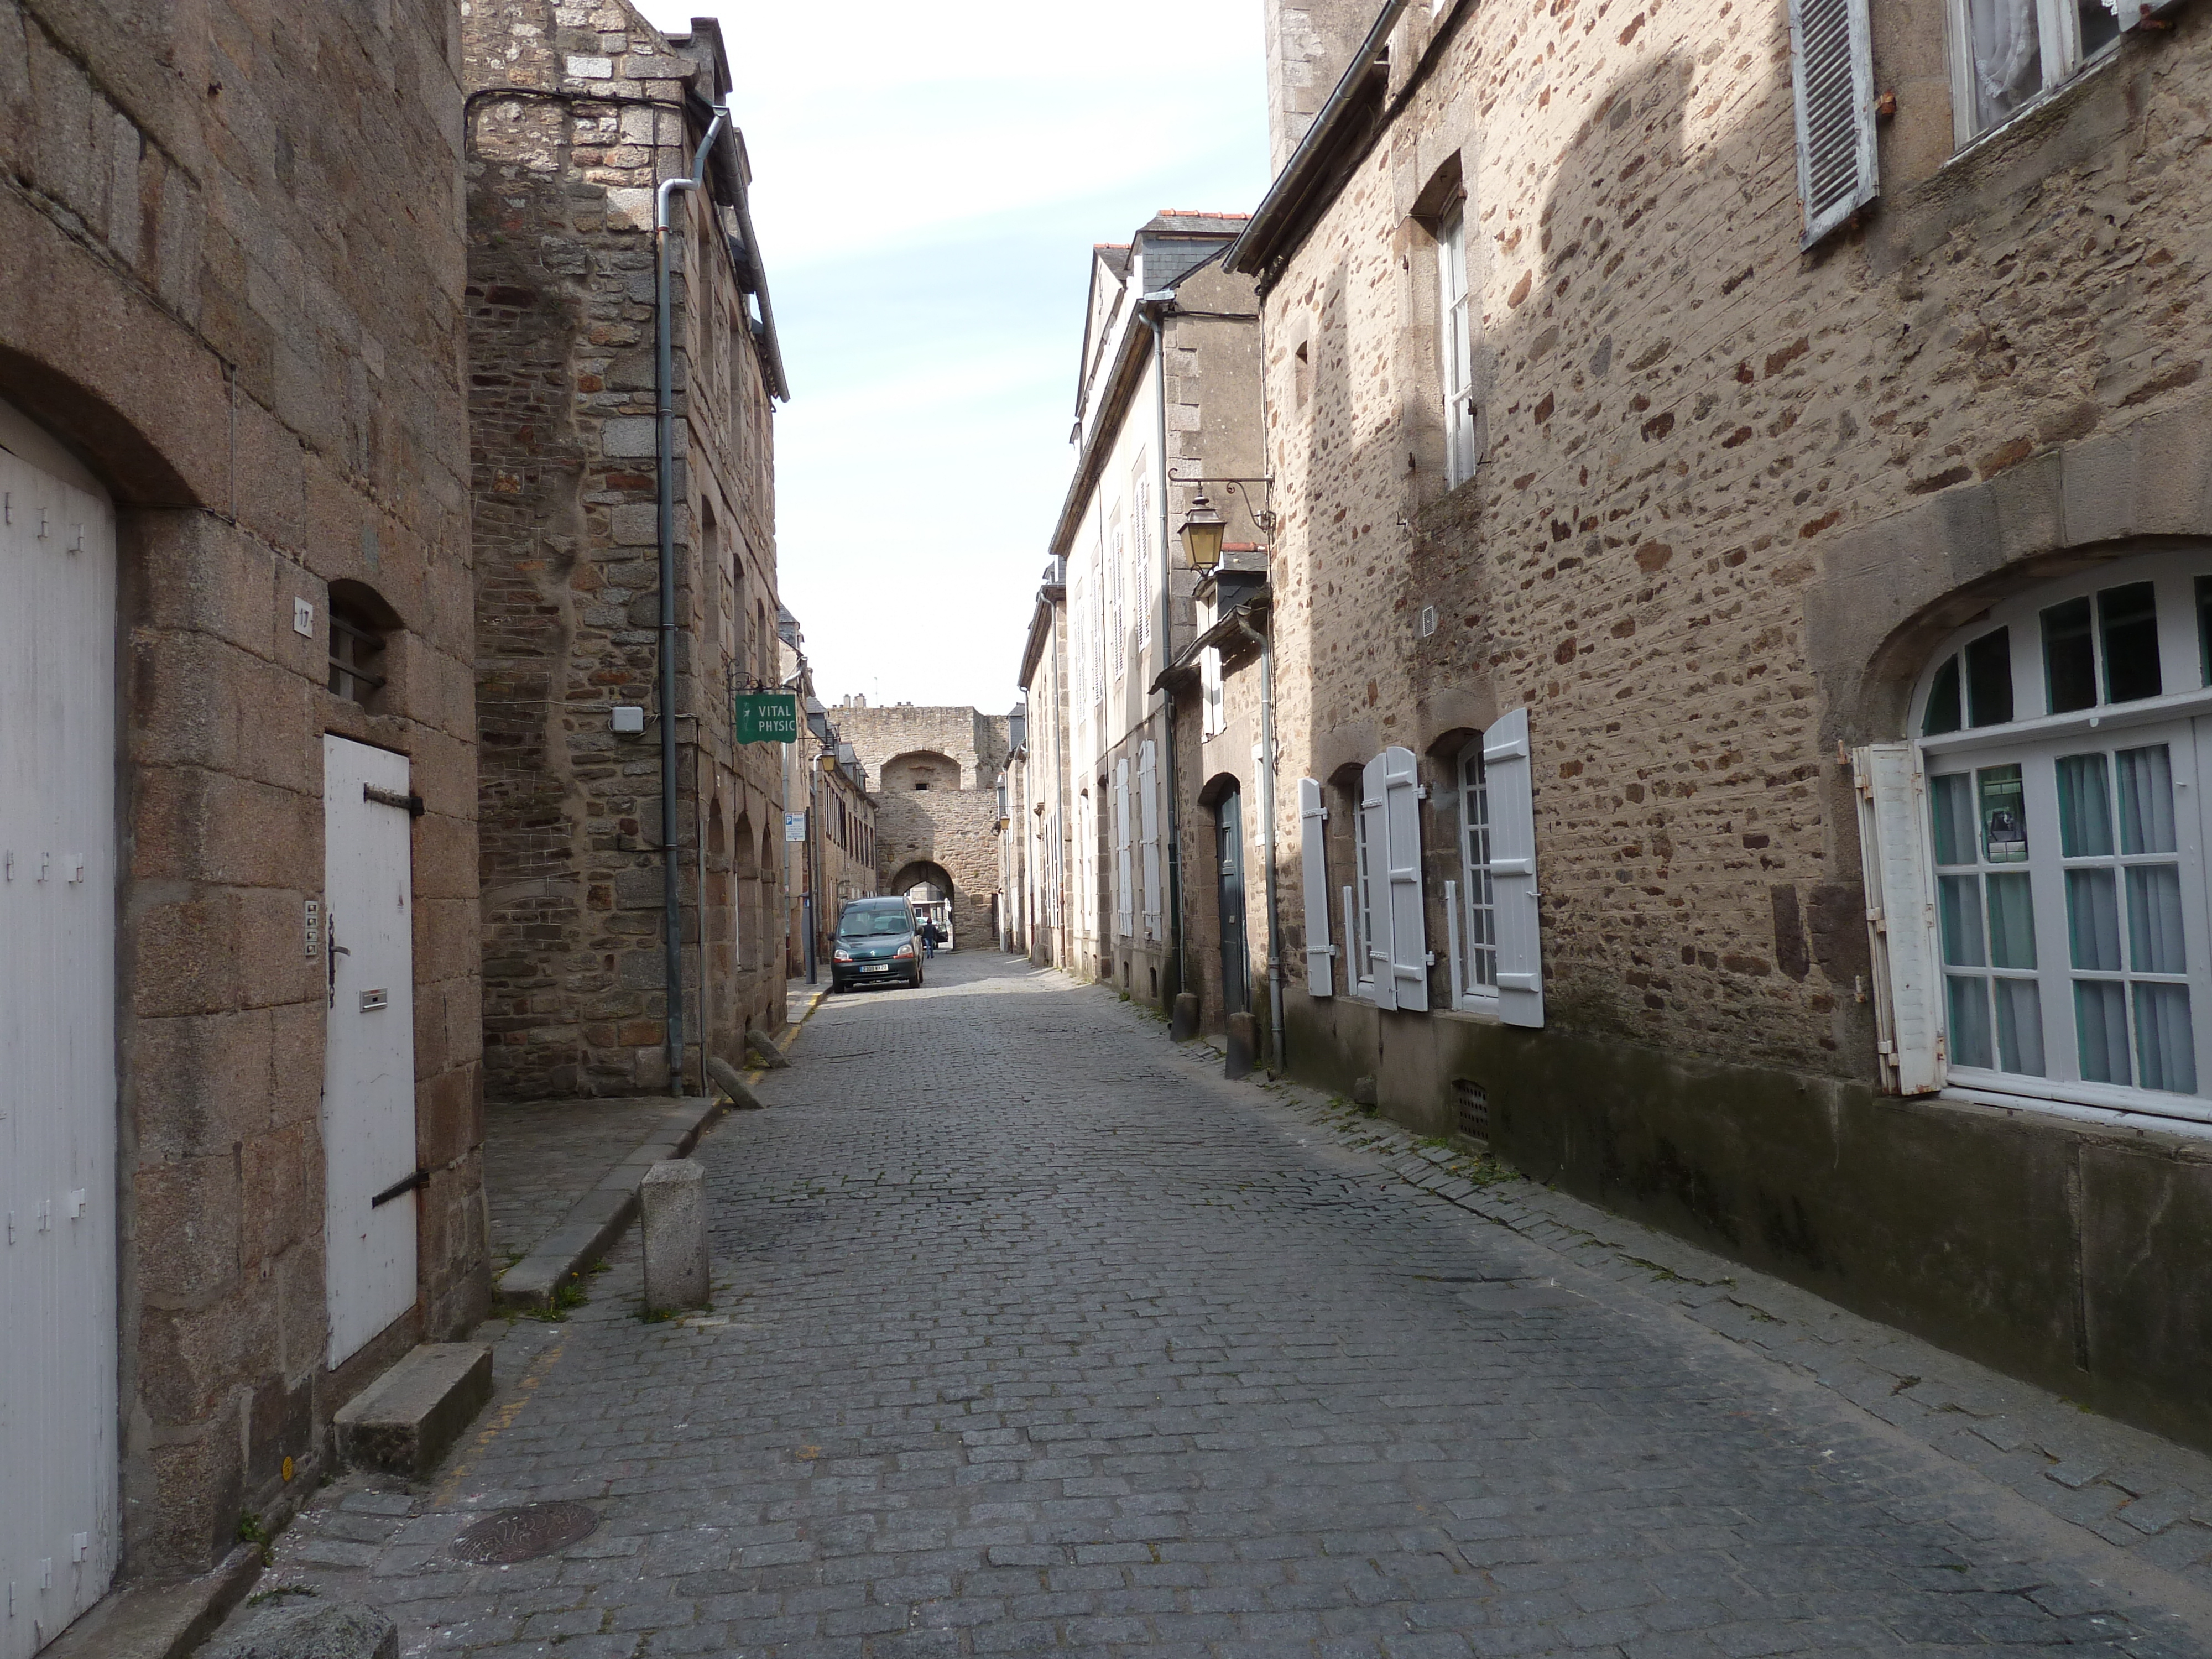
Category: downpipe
<point>1266,642</point>
<point>664,365</point>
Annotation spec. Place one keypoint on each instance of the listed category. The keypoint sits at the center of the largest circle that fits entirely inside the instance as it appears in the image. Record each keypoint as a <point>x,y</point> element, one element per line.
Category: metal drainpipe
<point>1266,642</point>
<point>1167,646</point>
<point>671,919</point>
<point>699,862</point>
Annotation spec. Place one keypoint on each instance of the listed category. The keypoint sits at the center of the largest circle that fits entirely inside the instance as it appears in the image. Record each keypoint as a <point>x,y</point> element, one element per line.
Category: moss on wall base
<point>2058,1252</point>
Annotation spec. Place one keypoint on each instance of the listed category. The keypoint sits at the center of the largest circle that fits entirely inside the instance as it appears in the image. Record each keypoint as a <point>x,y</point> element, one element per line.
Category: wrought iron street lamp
<point>1201,532</point>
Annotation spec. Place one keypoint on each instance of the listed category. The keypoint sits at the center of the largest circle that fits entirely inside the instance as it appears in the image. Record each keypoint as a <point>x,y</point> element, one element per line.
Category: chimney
<point>1310,42</point>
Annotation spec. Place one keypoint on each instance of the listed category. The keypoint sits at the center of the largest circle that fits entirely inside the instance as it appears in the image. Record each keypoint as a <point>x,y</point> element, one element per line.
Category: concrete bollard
<point>761,1049</point>
<point>673,1198</point>
<point>1243,1046</point>
<point>1182,1023</point>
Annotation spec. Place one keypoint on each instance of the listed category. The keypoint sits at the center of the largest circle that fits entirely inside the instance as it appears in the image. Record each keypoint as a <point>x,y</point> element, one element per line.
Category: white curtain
<point>2007,57</point>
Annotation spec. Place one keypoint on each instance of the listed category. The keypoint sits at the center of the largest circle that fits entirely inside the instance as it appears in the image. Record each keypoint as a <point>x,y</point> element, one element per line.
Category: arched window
<point>2064,742</point>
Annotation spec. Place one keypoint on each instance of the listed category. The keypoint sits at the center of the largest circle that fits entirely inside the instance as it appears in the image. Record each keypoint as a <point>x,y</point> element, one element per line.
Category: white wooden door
<point>58,1184</point>
<point>368,1058</point>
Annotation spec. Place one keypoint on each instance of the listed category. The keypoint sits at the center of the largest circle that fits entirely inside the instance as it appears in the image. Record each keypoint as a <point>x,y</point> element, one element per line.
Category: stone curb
<point>161,1621</point>
<point>597,1218</point>
<point>601,1215</point>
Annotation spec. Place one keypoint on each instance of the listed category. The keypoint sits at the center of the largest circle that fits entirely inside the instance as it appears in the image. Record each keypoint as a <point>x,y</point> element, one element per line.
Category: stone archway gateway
<point>930,888</point>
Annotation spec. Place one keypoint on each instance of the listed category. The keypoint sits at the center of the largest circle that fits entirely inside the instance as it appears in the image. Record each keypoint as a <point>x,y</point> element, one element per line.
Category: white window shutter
<point>1148,801</point>
<point>1313,817</point>
<point>1831,63</point>
<point>1374,886</point>
<point>1125,899</point>
<point>1508,772</point>
<point>1900,899</point>
<point>1409,927</point>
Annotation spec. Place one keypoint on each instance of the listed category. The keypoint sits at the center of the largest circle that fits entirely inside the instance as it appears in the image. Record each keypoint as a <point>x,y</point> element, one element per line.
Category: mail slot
<point>373,1000</point>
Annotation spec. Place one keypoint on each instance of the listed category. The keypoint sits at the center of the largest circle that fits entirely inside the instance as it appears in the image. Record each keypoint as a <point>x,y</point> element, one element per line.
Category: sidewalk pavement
<point>562,1175</point>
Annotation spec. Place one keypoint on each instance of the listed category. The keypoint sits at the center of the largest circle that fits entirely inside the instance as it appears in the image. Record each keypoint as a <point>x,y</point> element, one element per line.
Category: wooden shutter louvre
<point>1900,901</point>
<point>1402,817</point>
<point>1124,900</point>
<point>1832,67</point>
<point>1313,817</point>
<point>1374,876</point>
<point>1508,777</point>
<point>1148,804</point>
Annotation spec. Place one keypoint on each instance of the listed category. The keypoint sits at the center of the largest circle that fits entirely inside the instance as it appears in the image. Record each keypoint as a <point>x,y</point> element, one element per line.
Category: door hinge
<point>410,804</point>
<point>405,1184</point>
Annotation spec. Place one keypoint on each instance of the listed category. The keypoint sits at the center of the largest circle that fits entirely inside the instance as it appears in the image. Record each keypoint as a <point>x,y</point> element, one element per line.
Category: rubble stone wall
<point>953,824</point>
<point>232,284</point>
<point>578,122</point>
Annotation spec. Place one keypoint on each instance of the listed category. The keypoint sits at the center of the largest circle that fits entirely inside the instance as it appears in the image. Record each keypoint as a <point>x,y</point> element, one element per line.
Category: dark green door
<point>1236,958</point>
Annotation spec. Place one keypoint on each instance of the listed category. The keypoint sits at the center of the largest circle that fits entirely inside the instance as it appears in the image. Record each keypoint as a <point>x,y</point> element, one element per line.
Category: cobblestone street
<point>1032,1334</point>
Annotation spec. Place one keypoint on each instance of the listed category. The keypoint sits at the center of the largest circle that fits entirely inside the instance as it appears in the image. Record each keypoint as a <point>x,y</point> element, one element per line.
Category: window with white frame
<point>1478,893</point>
<point>2047,819</point>
<point>1098,623</point>
<point>1495,945</point>
<point>2006,54</point>
<point>1140,493</point>
<point>1117,612</point>
<point>1455,350</point>
<point>1209,673</point>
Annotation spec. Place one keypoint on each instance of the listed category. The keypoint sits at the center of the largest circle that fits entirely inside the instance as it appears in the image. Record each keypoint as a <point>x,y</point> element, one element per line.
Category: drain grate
<point>1474,1102</point>
<point>525,1533</point>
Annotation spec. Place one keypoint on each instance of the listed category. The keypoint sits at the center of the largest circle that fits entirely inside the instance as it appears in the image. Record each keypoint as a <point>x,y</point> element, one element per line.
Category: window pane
<point>1989,678</point>
<point>2099,25</point>
<point>2129,618</point>
<point>1959,902</point>
<point>2019,1026</point>
<point>2101,1022</point>
<point>1970,1021</point>
<point>2069,661</point>
<point>2085,811</point>
<point>1942,714</point>
<point>1950,801</point>
<point>2004,822</point>
<point>2155,944</point>
<point>2008,52</point>
<point>2012,922</point>
<point>2205,626</point>
<point>2146,800</point>
<point>2092,919</point>
<point>2164,1043</point>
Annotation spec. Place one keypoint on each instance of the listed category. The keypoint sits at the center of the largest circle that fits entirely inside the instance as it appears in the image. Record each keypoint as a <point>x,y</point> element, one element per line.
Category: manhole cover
<point>525,1533</point>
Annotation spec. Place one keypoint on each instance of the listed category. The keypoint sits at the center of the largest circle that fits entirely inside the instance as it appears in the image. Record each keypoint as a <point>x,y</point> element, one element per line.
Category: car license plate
<point>877,967</point>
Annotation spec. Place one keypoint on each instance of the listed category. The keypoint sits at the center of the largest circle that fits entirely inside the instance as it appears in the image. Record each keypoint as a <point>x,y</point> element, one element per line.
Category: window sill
<point>1473,1013</point>
<point>2132,1120</point>
<point>2085,76</point>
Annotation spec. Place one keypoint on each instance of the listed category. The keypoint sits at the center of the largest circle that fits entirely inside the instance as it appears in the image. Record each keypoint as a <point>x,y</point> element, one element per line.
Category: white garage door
<point>58,876</point>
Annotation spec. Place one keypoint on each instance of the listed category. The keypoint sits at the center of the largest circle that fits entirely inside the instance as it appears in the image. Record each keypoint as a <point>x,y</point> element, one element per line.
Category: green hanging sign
<point>767,717</point>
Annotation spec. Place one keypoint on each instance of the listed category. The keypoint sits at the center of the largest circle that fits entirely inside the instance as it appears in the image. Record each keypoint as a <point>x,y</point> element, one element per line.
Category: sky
<point>927,184</point>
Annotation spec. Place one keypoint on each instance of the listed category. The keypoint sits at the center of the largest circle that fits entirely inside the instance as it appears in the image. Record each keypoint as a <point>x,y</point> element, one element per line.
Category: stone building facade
<point>1034,850</point>
<point>234,539</point>
<point>1664,542</point>
<point>833,860</point>
<point>575,115</point>
<point>936,774</point>
<point>1167,409</point>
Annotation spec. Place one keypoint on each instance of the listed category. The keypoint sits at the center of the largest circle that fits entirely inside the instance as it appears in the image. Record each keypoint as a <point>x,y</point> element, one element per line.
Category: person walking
<point>930,937</point>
